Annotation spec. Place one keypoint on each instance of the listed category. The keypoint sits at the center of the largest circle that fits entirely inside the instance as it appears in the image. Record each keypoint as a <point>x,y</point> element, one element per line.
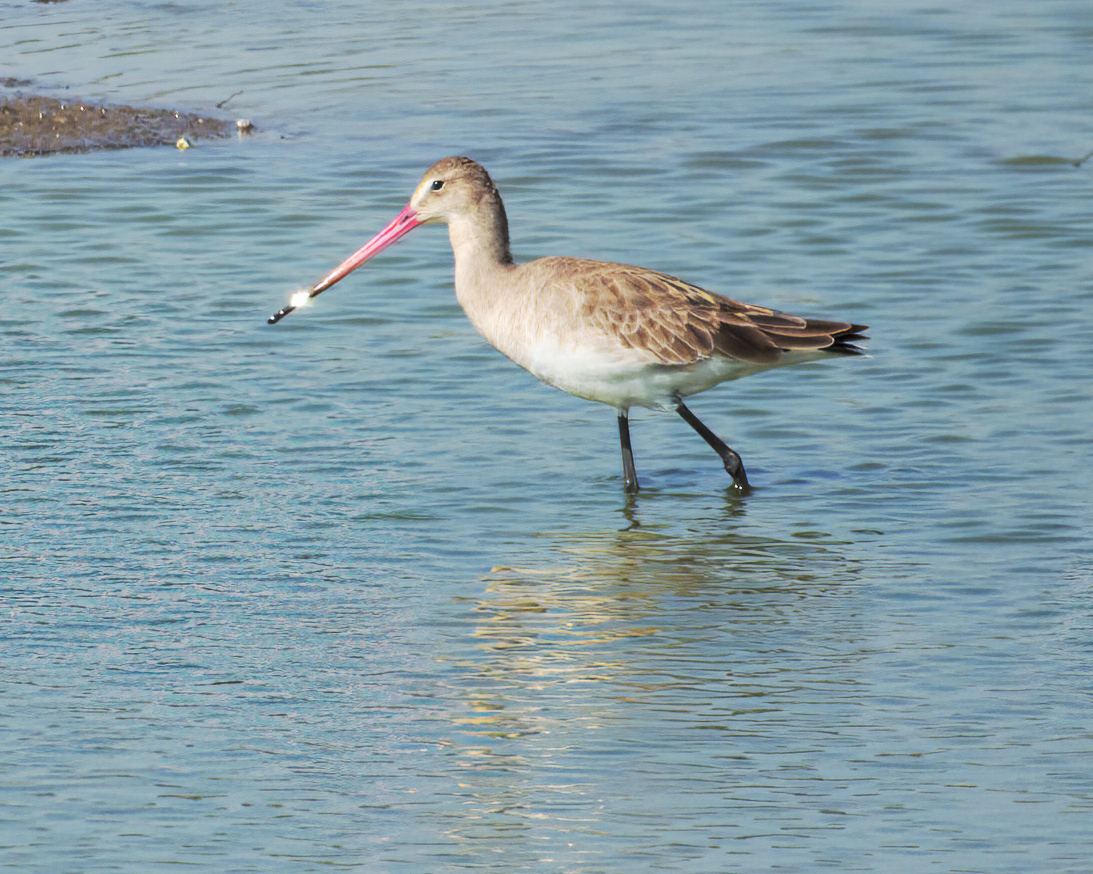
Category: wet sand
<point>38,125</point>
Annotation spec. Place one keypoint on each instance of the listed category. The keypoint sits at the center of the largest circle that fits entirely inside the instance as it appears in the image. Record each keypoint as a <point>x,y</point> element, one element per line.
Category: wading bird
<point>624,336</point>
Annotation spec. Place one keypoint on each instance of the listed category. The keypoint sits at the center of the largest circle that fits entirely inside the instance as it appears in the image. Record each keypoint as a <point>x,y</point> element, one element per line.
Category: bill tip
<point>280,314</point>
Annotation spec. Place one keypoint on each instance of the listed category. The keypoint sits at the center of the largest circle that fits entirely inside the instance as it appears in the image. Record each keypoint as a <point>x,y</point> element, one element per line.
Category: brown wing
<point>680,323</point>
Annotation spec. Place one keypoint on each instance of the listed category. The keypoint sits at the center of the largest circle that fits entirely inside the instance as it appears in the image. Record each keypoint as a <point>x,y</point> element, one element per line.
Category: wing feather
<point>680,324</point>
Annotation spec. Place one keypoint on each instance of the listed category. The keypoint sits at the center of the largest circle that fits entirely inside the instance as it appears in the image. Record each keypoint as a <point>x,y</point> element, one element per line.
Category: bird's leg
<point>629,475</point>
<point>733,465</point>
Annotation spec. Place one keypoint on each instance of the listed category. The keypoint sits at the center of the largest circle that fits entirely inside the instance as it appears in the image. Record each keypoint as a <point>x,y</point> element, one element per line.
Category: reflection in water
<point>607,671</point>
<point>733,511</point>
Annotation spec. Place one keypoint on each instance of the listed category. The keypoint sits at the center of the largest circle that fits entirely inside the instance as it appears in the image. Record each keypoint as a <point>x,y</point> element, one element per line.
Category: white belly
<point>623,378</point>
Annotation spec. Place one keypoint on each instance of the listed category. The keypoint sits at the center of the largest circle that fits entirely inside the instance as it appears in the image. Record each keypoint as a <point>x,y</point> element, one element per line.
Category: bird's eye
<point>437,185</point>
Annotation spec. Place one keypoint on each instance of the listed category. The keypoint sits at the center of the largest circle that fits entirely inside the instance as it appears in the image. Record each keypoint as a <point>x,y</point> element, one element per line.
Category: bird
<point>621,335</point>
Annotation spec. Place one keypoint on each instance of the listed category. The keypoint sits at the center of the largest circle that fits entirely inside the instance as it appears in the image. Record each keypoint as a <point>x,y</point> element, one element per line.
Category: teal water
<point>354,593</point>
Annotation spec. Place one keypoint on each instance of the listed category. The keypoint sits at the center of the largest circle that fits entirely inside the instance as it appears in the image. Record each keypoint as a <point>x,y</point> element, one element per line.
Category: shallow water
<point>355,593</point>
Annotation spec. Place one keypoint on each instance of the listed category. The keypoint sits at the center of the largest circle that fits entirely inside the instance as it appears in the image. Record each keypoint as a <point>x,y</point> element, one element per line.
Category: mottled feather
<point>680,324</point>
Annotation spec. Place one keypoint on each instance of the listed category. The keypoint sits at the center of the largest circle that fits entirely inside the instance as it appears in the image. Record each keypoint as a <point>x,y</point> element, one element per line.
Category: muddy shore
<point>32,124</point>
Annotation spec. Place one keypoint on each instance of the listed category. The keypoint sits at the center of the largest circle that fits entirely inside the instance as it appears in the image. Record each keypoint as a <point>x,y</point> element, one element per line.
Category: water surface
<point>354,593</point>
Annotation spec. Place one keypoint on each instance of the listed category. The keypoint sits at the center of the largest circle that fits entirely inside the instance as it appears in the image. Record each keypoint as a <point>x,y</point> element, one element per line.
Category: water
<point>354,593</point>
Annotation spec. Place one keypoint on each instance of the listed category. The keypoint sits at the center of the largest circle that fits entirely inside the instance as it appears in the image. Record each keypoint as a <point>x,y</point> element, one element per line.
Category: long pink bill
<point>401,225</point>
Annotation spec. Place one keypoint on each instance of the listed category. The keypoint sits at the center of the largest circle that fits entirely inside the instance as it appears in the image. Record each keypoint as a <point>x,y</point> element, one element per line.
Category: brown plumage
<point>681,323</point>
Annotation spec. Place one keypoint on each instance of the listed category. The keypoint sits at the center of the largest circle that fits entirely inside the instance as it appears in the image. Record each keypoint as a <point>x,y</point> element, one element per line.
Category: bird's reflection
<point>572,650</point>
<point>733,510</point>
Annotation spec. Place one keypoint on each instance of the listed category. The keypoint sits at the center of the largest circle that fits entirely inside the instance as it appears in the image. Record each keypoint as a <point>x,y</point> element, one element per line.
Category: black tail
<point>844,341</point>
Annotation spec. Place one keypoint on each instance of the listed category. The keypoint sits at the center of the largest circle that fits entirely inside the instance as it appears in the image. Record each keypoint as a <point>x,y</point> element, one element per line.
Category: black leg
<point>629,475</point>
<point>733,465</point>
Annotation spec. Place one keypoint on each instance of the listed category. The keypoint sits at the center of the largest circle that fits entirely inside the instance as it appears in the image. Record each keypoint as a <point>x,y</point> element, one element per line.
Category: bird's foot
<point>734,467</point>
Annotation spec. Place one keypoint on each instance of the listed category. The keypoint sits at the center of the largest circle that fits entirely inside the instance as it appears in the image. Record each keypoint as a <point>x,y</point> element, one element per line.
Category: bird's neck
<point>483,268</point>
<point>483,235</point>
